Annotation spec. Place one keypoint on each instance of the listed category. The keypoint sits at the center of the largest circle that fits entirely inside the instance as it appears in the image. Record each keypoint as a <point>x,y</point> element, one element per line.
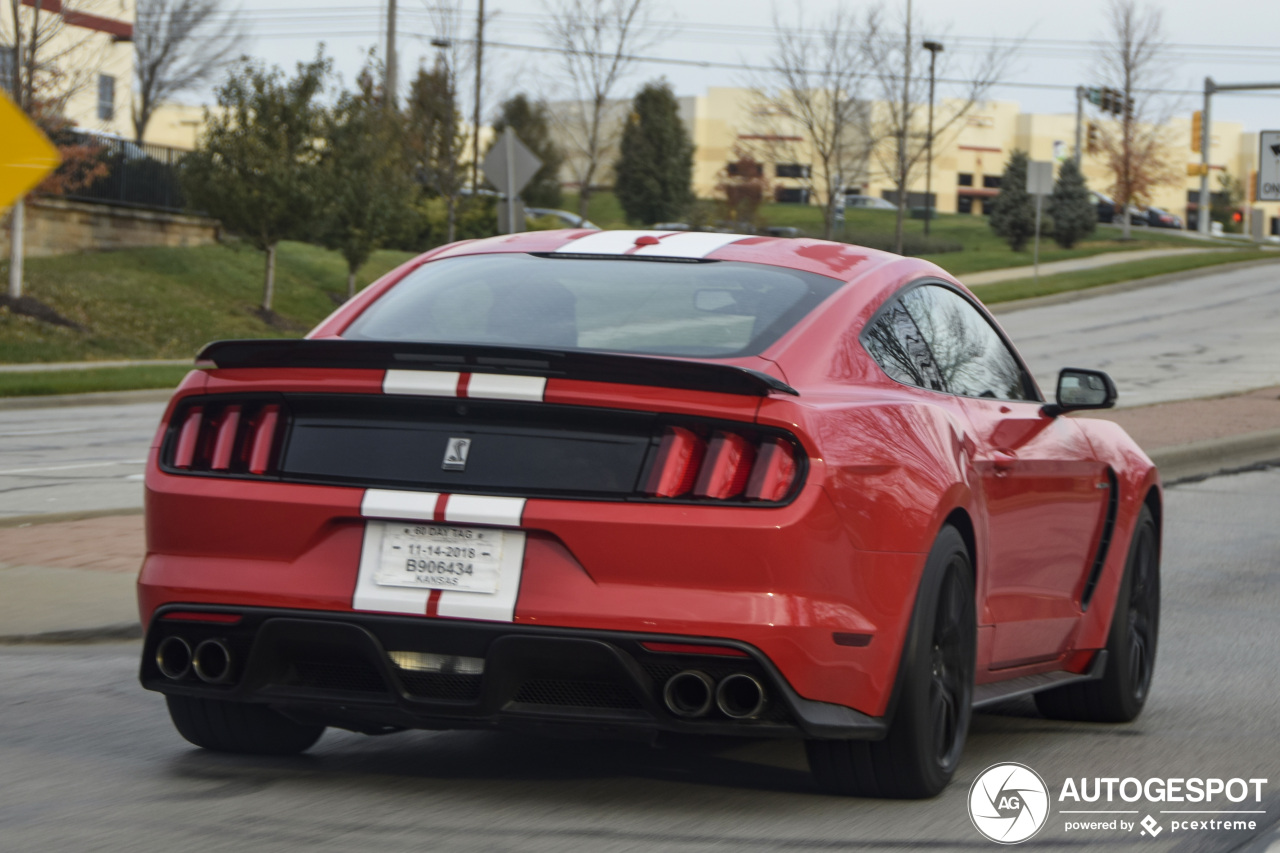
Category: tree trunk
<point>584,197</point>
<point>902,137</point>
<point>269,286</point>
<point>17,223</point>
<point>351,282</point>
<point>451,205</point>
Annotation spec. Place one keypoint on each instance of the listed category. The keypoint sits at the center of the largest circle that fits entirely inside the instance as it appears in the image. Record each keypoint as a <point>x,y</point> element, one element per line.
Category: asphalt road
<point>1209,335</point>
<point>74,458</point>
<point>88,760</point>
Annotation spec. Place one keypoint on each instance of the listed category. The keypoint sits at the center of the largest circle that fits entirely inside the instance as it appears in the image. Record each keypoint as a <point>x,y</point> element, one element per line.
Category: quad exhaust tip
<point>212,662</point>
<point>689,693</point>
<point>740,696</point>
<point>173,658</point>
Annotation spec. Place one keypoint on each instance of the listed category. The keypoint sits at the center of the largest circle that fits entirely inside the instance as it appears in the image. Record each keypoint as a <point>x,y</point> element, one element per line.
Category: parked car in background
<point>1159,218</point>
<point>866,202</point>
<point>1108,210</point>
<point>570,220</point>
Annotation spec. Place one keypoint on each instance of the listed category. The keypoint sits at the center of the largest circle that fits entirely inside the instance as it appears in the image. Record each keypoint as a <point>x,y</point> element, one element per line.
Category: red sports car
<point>631,483</point>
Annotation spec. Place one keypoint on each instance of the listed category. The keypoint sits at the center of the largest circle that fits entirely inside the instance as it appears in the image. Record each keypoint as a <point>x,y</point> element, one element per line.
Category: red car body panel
<point>888,466</point>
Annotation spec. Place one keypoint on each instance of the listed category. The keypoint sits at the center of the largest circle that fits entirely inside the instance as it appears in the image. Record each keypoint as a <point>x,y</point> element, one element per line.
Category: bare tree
<point>904,95</point>
<point>1134,147</point>
<point>178,45</point>
<point>812,104</point>
<point>596,39</point>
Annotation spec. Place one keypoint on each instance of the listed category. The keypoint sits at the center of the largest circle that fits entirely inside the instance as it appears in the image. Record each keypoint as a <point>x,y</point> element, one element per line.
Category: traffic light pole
<point>1206,136</point>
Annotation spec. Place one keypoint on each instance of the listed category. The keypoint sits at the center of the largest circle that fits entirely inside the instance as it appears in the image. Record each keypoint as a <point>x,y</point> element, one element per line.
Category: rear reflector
<point>691,649</point>
<point>193,616</point>
<point>730,465</point>
<point>232,438</point>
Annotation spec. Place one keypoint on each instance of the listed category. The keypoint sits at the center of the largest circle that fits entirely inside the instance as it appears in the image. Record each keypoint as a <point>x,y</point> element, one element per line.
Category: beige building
<point>969,157</point>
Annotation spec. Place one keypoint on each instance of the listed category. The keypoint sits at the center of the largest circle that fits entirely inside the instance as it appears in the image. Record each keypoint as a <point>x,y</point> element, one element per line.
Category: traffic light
<point>1237,217</point>
<point>1105,101</point>
<point>1092,139</point>
<point>1197,130</point>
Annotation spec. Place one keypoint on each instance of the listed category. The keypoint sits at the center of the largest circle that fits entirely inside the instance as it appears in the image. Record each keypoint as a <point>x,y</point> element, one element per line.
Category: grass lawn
<point>41,382</point>
<point>167,303</point>
<point>1024,288</point>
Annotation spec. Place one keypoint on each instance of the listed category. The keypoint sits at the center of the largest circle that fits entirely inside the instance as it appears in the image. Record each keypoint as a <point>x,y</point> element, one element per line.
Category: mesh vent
<point>431,685</point>
<point>578,694</point>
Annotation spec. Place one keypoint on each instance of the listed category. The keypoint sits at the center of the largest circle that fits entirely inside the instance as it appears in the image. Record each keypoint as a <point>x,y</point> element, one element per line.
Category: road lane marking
<point>72,467</point>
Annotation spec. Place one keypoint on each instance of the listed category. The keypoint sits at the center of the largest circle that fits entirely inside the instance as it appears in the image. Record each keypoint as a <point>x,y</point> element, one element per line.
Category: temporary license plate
<point>438,556</point>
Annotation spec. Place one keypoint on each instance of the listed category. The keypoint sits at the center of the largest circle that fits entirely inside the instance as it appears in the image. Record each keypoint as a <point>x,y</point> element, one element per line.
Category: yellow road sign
<point>26,156</point>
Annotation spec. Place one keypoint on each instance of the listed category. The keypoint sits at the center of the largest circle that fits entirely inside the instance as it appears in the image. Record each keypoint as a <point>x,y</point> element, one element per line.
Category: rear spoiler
<point>566,364</point>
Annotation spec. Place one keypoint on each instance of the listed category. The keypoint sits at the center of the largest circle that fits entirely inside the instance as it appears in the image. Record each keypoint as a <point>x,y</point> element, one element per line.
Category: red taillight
<point>194,616</point>
<point>724,474</point>
<point>676,467</point>
<point>232,438</point>
<point>774,471</point>
<point>729,466</point>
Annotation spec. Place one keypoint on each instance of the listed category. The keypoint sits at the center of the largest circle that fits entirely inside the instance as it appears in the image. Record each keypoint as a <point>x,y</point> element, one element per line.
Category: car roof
<point>841,261</point>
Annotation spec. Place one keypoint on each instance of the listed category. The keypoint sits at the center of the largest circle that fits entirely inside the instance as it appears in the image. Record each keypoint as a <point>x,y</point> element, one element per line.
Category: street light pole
<point>390,83</point>
<point>475,115</point>
<point>934,49</point>
<point>1079,124</point>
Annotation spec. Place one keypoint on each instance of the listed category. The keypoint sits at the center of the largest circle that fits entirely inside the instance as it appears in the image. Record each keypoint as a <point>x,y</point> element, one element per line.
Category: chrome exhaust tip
<point>740,696</point>
<point>173,658</point>
<point>212,662</point>
<point>688,693</point>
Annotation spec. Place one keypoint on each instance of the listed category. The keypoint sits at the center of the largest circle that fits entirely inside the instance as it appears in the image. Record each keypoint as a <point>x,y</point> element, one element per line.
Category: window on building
<point>6,67</point>
<point>964,204</point>
<point>106,97</point>
<point>914,199</point>
<point>791,195</point>
<point>745,169</point>
<point>791,170</point>
<point>991,182</point>
<point>964,179</point>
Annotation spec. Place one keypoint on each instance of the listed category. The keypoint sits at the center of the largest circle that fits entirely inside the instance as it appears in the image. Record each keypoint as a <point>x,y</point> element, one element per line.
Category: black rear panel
<point>517,448</point>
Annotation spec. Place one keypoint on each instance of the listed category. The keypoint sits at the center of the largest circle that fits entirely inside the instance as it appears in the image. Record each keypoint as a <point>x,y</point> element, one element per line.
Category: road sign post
<point>26,158</point>
<point>1039,184</point>
<point>509,166</point>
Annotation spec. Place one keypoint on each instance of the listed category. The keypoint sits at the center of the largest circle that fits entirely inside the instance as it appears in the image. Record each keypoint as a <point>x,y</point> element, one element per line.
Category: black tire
<point>918,756</point>
<point>239,727</point>
<point>1121,693</point>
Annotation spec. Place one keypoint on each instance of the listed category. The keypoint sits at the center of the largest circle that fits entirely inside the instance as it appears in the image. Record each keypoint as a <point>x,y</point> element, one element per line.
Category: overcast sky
<point>1226,40</point>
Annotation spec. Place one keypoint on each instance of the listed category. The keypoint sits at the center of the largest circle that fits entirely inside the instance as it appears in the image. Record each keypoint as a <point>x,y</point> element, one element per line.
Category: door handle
<point>1003,462</point>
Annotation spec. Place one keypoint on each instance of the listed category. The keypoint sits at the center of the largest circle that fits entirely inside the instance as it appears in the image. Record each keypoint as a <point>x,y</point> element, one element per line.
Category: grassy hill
<point>167,303</point>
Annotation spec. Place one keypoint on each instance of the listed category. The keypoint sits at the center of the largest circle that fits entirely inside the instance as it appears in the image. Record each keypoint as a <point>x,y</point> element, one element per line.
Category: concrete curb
<point>1201,459</point>
<point>1118,287</point>
<point>95,398</point>
<point>78,636</point>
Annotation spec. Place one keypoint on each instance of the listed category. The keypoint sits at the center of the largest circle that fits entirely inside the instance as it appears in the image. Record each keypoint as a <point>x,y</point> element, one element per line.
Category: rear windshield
<point>709,308</point>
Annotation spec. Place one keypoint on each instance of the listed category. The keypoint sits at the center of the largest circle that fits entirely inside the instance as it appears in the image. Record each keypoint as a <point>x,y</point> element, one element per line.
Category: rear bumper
<point>334,668</point>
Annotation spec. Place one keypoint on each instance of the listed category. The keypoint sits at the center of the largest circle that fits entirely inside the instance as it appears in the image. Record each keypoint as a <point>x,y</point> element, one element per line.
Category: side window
<point>897,345</point>
<point>969,354</point>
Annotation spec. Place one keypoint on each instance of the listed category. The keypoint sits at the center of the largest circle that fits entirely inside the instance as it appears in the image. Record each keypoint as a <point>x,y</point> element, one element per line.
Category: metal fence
<point>138,174</point>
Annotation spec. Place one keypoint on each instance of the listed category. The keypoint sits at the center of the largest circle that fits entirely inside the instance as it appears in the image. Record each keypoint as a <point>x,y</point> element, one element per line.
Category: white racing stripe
<point>422,383</point>
<point>671,244</point>
<point>406,506</point>
<point>496,607</point>
<point>499,386</point>
<point>481,509</point>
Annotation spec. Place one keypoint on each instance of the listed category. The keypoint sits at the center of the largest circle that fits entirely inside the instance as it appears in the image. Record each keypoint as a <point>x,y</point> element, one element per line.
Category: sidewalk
<point>1105,259</point>
<point>73,581</point>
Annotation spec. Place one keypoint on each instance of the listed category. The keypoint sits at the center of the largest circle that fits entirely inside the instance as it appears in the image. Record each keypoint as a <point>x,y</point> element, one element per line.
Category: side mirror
<point>1080,389</point>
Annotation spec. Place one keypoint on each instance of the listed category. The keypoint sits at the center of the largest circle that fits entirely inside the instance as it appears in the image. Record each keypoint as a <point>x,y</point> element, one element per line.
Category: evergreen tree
<point>654,172</point>
<point>1013,212</point>
<point>436,137</point>
<point>256,166</point>
<point>365,187</point>
<point>531,122</point>
<point>1071,207</point>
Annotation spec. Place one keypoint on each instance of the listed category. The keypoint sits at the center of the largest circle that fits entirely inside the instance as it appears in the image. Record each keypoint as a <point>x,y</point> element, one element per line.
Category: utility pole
<point>934,47</point>
<point>475,115</point>
<point>1079,123</point>
<point>390,83</point>
<point>1206,137</point>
